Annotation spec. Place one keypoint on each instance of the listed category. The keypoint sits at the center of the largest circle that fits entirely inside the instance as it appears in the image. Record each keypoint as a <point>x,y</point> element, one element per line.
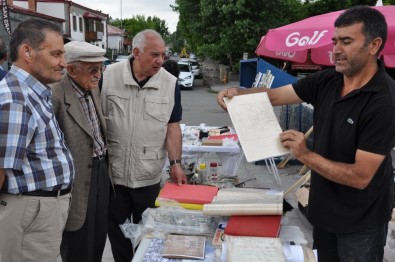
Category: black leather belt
<point>43,193</point>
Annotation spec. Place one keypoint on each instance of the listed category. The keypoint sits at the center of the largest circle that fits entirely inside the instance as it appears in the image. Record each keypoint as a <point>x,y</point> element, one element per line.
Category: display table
<point>228,156</point>
<point>298,252</point>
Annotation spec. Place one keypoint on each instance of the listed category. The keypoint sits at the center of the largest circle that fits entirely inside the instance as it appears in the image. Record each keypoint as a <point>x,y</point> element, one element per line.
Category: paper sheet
<point>256,125</point>
<point>251,249</point>
<point>242,209</point>
<point>245,201</point>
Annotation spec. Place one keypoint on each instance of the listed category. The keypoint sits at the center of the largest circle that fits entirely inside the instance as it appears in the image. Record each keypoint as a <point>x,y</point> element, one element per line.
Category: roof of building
<point>17,9</point>
<point>113,30</point>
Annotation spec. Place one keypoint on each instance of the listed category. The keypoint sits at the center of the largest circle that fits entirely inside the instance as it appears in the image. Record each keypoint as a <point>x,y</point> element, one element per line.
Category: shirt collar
<point>39,88</point>
<point>377,82</point>
<point>373,85</point>
<point>78,89</point>
<point>140,83</point>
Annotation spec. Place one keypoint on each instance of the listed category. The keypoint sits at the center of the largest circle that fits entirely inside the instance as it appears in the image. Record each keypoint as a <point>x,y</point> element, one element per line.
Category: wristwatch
<point>172,162</point>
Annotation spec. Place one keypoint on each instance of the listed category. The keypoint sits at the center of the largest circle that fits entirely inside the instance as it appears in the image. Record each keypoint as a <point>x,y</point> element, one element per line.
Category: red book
<point>233,136</point>
<point>193,194</point>
<point>254,226</point>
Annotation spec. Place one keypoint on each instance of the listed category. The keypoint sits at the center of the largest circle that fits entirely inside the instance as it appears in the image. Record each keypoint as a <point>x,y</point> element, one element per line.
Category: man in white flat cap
<point>77,107</point>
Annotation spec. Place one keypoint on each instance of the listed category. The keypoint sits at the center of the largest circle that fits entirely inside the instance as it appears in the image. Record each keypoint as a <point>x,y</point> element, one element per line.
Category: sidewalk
<point>219,87</point>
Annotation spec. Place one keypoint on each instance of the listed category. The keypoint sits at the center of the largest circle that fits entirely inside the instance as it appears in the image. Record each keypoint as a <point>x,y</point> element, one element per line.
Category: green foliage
<point>175,42</point>
<point>225,29</point>
<point>139,22</point>
<point>312,8</point>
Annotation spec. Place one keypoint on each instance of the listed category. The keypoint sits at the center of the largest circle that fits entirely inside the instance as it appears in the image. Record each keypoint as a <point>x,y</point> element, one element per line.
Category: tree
<point>189,25</point>
<point>224,29</point>
<point>313,8</point>
<point>138,23</point>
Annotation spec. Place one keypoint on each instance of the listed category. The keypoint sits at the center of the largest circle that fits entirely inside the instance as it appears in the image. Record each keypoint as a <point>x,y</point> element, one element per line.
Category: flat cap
<point>83,51</point>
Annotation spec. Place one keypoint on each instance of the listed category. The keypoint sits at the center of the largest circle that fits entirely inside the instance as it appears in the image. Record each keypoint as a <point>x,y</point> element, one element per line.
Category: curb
<point>220,87</point>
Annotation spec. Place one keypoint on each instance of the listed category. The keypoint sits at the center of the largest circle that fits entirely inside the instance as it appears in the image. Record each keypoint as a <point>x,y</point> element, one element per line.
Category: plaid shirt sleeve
<point>14,134</point>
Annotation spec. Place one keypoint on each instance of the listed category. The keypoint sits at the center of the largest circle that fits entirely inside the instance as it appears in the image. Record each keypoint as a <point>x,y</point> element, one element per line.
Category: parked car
<point>195,66</point>
<point>192,56</point>
<point>107,62</point>
<point>185,80</point>
<point>121,58</point>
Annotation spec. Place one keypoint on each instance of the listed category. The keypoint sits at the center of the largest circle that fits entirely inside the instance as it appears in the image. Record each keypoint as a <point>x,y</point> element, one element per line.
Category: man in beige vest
<point>141,103</point>
<point>77,107</point>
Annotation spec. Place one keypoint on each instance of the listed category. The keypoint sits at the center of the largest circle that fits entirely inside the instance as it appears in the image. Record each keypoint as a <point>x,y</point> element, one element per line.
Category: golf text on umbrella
<point>293,38</point>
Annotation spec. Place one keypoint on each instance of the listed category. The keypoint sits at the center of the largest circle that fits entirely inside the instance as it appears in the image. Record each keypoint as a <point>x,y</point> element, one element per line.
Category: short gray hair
<point>32,32</point>
<point>140,39</point>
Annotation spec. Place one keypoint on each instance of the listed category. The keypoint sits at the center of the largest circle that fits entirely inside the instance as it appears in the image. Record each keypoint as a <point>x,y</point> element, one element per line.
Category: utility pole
<point>121,31</point>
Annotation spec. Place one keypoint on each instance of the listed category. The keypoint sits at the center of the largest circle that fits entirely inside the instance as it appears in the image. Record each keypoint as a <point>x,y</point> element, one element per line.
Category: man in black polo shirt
<point>354,132</point>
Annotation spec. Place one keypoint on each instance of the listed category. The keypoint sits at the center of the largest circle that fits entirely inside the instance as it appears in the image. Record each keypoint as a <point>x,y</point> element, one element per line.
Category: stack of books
<point>245,201</point>
<point>246,212</point>
<point>188,196</point>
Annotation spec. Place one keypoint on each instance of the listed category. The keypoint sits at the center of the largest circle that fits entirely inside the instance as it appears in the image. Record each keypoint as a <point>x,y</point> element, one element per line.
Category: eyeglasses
<point>92,70</point>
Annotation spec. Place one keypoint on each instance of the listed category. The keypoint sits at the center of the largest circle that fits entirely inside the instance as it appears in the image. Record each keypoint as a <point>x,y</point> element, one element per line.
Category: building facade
<point>80,23</point>
<point>15,15</point>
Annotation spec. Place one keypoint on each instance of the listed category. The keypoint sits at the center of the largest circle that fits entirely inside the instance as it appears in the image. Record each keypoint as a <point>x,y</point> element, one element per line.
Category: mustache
<point>340,56</point>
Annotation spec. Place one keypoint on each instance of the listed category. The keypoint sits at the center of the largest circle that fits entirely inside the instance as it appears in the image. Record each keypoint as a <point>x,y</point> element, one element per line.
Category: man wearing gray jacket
<point>77,107</point>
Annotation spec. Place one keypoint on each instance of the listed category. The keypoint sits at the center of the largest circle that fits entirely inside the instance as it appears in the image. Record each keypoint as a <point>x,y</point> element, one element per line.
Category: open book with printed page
<point>151,249</point>
<point>242,248</point>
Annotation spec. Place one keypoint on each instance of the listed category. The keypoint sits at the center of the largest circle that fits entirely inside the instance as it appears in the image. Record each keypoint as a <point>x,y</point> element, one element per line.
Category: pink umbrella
<point>292,42</point>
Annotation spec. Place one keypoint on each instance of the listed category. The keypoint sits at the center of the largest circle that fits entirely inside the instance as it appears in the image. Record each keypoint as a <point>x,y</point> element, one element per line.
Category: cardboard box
<point>211,142</point>
<point>219,131</point>
<point>302,195</point>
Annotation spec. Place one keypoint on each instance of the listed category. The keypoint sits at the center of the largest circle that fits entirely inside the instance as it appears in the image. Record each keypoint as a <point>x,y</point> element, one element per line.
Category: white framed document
<point>256,126</point>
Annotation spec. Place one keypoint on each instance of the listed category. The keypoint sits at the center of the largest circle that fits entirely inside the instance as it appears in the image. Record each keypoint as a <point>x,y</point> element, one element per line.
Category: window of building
<point>94,26</point>
<point>81,24</point>
<point>74,23</point>
<point>89,26</point>
<point>99,26</point>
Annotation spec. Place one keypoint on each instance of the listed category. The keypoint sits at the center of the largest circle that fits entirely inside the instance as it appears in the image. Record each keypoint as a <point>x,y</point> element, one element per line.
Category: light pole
<point>121,31</point>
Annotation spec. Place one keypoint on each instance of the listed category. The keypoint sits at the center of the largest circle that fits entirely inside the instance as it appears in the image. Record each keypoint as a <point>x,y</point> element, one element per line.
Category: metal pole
<point>121,31</point>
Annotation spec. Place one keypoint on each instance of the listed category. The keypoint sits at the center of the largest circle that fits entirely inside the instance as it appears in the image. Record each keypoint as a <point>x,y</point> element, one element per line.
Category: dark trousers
<point>128,202</point>
<point>367,245</point>
<point>87,243</point>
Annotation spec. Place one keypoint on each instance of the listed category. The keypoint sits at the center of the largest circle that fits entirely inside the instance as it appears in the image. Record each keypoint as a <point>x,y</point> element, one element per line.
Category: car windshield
<point>184,67</point>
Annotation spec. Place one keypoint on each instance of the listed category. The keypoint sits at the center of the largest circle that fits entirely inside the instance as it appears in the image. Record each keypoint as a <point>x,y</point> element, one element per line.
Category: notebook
<point>193,194</point>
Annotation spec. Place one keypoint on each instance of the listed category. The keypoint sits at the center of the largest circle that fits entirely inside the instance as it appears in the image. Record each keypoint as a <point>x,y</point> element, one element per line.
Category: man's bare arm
<point>174,151</point>
<point>357,175</point>
<point>284,95</point>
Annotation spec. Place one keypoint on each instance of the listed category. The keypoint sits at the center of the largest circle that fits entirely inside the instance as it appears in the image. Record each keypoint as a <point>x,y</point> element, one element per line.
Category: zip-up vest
<point>137,121</point>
